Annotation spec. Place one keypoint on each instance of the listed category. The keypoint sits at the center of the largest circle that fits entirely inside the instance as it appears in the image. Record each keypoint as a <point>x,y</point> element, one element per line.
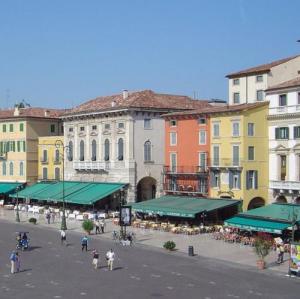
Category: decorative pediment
<point>296,148</point>
<point>120,131</point>
<point>281,148</point>
<point>82,134</point>
<point>94,134</point>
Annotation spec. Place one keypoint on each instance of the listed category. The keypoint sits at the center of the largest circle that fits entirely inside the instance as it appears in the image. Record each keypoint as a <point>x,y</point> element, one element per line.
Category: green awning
<point>181,206</point>
<point>259,225</point>
<point>6,188</point>
<point>85,193</point>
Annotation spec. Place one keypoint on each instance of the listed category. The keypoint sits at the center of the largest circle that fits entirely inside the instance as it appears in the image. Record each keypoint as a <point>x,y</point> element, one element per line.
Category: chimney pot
<point>17,111</point>
<point>46,113</point>
<point>125,94</point>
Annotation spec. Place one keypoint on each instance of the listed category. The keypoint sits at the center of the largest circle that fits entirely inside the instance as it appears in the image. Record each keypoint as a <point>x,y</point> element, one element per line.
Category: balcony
<point>285,185</point>
<point>185,169</point>
<point>186,188</point>
<point>44,160</point>
<point>284,109</point>
<point>91,165</point>
<point>57,161</point>
<point>225,163</point>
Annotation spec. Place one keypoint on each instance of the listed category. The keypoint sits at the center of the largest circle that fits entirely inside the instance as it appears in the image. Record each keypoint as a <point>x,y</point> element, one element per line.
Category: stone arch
<point>281,199</point>
<point>146,189</point>
<point>256,202</point>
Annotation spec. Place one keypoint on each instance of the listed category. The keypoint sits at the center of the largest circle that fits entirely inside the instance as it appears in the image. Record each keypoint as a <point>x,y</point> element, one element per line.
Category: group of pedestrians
<point>110,257</point>
<point>99,226</point>
<point>50,216</point>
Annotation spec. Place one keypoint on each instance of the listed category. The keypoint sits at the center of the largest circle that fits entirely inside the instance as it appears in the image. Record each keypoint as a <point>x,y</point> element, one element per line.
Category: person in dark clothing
<point>84,243</point>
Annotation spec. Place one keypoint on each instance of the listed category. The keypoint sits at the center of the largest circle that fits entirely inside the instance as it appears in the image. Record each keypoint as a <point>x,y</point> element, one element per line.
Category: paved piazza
<point>50,270</point>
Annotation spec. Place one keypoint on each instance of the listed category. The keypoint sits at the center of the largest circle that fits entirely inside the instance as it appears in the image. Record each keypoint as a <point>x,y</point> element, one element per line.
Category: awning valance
<point>7,187</point>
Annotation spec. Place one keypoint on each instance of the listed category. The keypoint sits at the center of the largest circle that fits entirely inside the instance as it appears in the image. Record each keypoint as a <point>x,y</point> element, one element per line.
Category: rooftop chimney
<point>125,94</point>
<point>17,111</point>
<point>113,103</point>
<point>46,113</point>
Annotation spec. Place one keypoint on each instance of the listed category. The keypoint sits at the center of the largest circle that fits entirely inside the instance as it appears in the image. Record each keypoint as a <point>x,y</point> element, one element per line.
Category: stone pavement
<point>204,244</point>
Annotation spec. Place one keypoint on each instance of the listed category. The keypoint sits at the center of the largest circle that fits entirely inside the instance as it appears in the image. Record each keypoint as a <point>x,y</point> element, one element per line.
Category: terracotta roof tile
<point>34,112</point>
<point>141,99</point>
<point>291,83</point>
<point>260,68</point>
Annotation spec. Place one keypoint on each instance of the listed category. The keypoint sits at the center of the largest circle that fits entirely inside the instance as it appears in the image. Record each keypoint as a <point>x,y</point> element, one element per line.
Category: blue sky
<point>60,53</point>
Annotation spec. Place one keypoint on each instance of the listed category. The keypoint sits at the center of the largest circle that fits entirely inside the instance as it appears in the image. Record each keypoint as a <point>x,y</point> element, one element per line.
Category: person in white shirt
<point>63,237</point>
<point>110,257</point>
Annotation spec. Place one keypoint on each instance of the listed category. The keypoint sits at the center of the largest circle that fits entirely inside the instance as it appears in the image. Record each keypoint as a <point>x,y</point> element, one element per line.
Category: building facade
<point>20,129</point>
<point>284,141</point>
<point>50,158</point>
<point>120,138</point>
<point>186,154</point>
<point>248,86</point>
<point>239,154</point>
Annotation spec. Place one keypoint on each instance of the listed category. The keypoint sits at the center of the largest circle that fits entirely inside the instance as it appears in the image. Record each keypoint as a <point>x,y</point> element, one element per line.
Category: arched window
<point>106,150</point>
<point>57,155</point>
<point>81,150</point>
<point>57,173</point>
<point>45,173</point>
<point>3,168</point>
<point>11,168</point>
<point>94,150</point>
<point>21,168</point>
<point>147,151</point>
<point>120,149</point>
<point>45,155</point>
<point>70,151</point>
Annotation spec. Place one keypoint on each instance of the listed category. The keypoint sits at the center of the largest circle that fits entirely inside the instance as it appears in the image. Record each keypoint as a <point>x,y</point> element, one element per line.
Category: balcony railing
<point>285,185</point>
<point>57,161</point>
<point>225,163</point>
<point>185,169</point>
<point>91,165</point>
<point>186,189</point>
<point>44,160</point>
<point>284,109</point>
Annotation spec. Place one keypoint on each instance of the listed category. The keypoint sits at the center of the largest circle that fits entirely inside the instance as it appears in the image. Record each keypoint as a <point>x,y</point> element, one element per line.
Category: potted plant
<point>262,247</point>
<point>88,226</point>
<point>32,220</point>
<point>169,245</point>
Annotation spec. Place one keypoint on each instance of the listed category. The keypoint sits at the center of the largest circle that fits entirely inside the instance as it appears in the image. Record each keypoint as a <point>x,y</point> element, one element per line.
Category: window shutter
<point>255,179</point>
<point>239,180</point>
<point>247,180</point>
<point>212,179</point>
<point>287,133</point>
<point>276,133</point>
<point>230,179</point>
<point>295,132</point>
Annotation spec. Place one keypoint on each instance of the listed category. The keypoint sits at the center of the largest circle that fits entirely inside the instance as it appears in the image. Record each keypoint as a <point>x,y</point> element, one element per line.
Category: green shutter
<point>287,133</point>
<point>247,180</point>
<point>18,146</point>
<point>4,128</point>
<point>24,146</point>
<point>21,127</point>
<point>255,179</point>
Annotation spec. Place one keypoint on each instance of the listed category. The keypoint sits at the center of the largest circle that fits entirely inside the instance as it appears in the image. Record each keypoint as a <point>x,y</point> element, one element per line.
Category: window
<point>21,169</point>
<point>202,161</point>
<point>120,149</point>
<point>173,162</point>
<point>107,127</point>
<point>259,95</point>
<point>70,151</point>
<point>283,167</point>
<point>81,129</point>
<point>52,128</point>
<point>3,168</point>
<point>71,129</point>
<point>11,128</point>
<point>259,78</point>
<point>216,158</point>
<point>173,138</point>
<point>45,173</point>
<point>57,174</point>
<point>236,97</point>
<point>173,123</point>
<point>251,179</point>
<point>215,179</point>
<point>21,127</point>
<point>296,132</point>
<point>24,146</point>
<point>81,150</point>
<point>147,123</point>
<point>94,150</point>
<point>282,100</point>
<point>94,127</point>
<point>236,81</point>
<point>106,150</point>
<point>235,155</point>
<point>282,133</point>
<point>45,156</point>
<point>201,120</point>
<point>234,179</point>
<point>56,158</point>
<point>251,153</point>
<point>216,130</point>
<point>4,128</point>
<point>235,129</point>
<point>250,129</point>
<point>202,137</point>
<point>121,125</point>
<point>11,168</point>
<point>147,151</point>
<point>173,183</point>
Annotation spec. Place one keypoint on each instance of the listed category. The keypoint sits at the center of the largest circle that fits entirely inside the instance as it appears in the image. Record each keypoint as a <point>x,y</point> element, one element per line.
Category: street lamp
<point>17,211</point>
<point>121,203</point>
<point>294,222</point>
<point>59,144</point>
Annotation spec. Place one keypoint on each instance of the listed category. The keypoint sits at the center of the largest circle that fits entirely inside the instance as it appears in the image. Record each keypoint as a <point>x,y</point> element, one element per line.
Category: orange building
<point>186,154</point>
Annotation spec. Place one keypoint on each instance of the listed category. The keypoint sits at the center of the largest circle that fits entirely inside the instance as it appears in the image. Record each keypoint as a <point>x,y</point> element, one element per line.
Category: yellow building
<point>239,153</point>
<point>50,158</point>
<point>20,129</point>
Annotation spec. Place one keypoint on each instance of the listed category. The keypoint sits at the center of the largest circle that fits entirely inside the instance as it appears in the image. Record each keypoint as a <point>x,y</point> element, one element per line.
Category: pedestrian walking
<point>281,248</point>
<point>13,259</point>
<point>110,257</point>
<point>18,262</point>
<point>63,237</point>
<point>102,225</point>
<point>48,217</point>
<point>95,258</point>
<point>97,227</point>
<point>84,243</point>
<point>52,216</point>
